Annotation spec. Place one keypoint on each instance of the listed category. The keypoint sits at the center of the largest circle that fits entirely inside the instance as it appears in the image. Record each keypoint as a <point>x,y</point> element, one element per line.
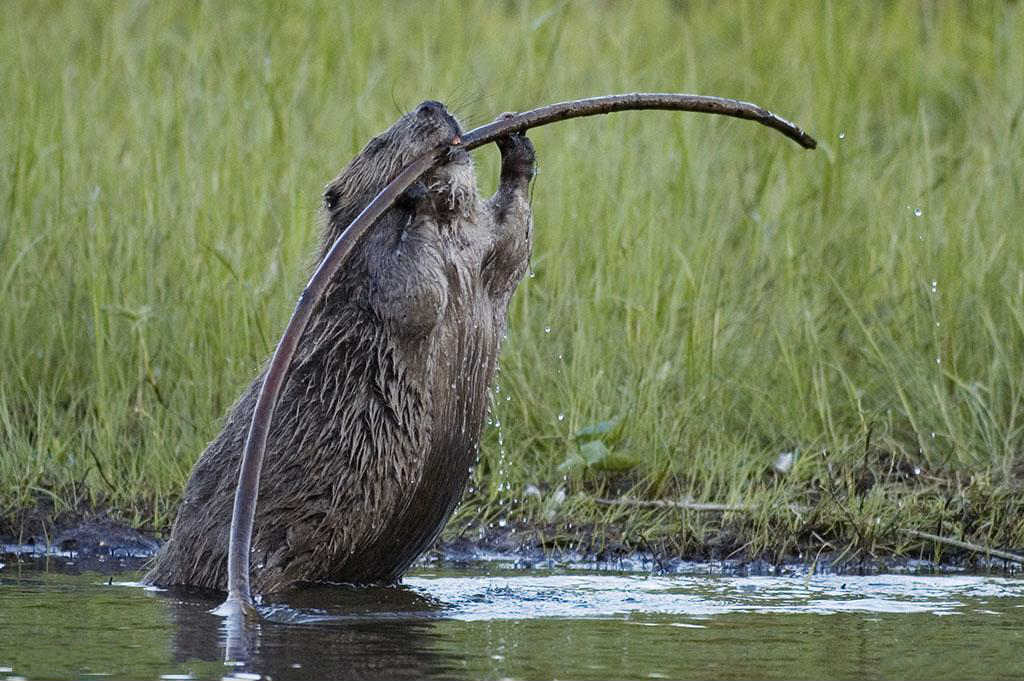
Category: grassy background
<point>714,292</point>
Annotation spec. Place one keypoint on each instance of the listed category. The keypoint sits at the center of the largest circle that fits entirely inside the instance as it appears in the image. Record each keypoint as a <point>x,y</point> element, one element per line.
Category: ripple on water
<point>506,624</point>
<point>589,596</point>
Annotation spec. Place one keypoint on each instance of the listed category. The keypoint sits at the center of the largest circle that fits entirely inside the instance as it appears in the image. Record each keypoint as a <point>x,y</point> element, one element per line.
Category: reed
<point>716,294</point>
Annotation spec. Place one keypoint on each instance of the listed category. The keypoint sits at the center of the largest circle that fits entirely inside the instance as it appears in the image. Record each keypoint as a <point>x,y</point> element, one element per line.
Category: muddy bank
<point>524,548</point>
<point>97,543</point>
<point>77,543</point>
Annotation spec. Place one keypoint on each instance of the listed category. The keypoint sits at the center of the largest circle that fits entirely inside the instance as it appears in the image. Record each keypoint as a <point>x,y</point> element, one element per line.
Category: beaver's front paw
<point>517,154</point>
<point>412,197</point>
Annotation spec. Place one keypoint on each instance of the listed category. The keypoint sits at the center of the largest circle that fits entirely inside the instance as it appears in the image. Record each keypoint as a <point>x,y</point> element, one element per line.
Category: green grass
<point>723,294</point>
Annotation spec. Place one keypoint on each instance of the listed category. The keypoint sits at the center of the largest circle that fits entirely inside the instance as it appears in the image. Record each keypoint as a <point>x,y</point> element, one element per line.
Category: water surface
<point>494,624</point>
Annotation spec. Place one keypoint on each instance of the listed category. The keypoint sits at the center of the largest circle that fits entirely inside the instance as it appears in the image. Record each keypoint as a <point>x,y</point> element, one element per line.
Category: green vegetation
<point>711,292</point>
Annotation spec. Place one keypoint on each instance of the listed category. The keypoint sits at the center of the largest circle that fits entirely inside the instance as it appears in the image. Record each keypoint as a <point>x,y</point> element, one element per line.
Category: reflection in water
<point>323,632</point>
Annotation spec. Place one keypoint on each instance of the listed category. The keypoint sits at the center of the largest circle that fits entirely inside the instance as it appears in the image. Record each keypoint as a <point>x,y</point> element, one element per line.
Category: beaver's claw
<point>517,153</point>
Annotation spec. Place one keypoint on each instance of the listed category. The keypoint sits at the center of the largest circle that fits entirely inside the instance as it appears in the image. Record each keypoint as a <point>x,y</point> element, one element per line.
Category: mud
<point>100,544</point>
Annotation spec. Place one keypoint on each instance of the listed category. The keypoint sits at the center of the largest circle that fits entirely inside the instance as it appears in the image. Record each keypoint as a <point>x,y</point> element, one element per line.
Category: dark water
<point>523,625</point>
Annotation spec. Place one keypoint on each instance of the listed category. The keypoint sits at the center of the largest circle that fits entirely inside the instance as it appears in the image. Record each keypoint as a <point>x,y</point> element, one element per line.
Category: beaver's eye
<point>331,198</point>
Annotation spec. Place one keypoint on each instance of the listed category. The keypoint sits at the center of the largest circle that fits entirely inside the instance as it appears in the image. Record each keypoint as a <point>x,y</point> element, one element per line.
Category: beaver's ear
<point>374,145</point>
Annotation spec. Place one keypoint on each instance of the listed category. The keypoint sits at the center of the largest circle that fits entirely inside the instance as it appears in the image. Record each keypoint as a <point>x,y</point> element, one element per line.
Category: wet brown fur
<point>380,419</point>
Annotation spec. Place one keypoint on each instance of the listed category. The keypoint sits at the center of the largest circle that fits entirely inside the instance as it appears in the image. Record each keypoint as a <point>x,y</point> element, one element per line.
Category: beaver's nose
<point>430,108</point>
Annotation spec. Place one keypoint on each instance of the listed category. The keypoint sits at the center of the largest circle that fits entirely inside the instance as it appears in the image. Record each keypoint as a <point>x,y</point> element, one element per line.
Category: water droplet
<point>561,417</point>
<point>547,329</point>
<point>502,522</point>
<point>917,212</point>
<point>935,286</point>
<point>842,135</point>
<point>938,360</point>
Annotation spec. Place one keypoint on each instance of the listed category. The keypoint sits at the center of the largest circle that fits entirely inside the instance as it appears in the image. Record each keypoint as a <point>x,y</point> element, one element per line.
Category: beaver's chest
<point>450,371</point>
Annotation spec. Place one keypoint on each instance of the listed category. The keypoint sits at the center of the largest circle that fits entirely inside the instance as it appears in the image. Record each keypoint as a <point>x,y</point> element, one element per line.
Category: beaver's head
<point>449,188</point>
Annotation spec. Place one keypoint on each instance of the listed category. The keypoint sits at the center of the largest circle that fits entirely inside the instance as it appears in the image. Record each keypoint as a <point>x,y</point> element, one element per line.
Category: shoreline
<point>97,543</point>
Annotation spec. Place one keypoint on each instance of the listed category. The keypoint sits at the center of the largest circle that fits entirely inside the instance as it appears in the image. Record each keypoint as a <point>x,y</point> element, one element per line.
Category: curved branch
<point>239,600</point>
<point>244,513</point>
<point>638,100</point>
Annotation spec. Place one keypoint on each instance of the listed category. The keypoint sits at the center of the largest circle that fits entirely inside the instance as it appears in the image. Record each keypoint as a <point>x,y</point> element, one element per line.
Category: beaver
<point>379,421</point>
